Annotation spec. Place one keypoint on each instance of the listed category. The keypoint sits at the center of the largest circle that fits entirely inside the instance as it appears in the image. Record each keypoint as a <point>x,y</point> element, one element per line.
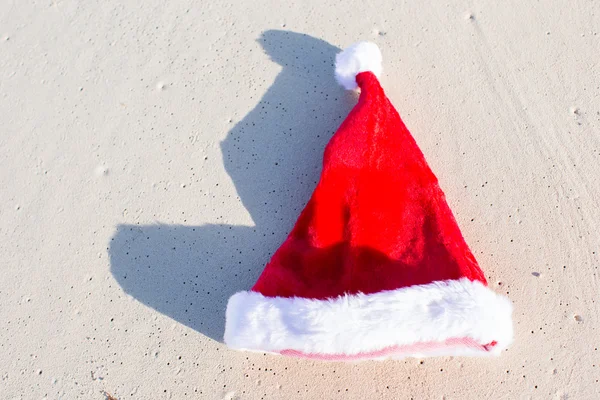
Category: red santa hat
<point>376,266</point>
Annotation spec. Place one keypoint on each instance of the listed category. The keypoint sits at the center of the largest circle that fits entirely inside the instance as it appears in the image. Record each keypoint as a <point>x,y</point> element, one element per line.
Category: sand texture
<point>154,155</point>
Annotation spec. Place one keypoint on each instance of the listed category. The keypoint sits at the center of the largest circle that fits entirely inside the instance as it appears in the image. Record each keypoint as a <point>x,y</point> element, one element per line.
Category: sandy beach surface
<point>154,155</point>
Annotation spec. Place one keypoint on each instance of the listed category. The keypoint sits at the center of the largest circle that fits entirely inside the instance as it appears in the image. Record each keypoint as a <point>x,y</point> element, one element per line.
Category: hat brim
<point>453,317</point>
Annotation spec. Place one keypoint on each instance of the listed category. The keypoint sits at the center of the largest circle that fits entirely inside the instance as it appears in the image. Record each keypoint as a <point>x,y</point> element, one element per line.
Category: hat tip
<point>359,57</point>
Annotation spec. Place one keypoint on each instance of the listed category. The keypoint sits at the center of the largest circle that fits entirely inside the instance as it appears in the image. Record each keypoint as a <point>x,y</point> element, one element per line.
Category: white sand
<point>154,156</point>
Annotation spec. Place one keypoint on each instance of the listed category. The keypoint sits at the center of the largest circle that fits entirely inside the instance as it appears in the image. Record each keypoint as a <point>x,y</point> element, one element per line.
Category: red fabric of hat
<point>376,266</point>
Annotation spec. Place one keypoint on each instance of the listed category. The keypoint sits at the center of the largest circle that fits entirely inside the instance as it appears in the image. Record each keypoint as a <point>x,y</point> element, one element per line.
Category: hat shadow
<point>273,156</point>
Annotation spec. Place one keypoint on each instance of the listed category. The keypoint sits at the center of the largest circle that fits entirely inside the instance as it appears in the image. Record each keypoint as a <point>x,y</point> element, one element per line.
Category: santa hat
<point>376,266</point>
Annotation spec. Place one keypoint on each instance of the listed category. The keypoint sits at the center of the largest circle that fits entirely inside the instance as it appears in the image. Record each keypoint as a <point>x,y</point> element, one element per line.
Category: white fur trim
<point>360,323</point>
<point>360,57</point>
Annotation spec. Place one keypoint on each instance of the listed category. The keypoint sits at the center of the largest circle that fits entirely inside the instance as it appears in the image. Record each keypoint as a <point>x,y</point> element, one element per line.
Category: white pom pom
<point>360,57</point>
